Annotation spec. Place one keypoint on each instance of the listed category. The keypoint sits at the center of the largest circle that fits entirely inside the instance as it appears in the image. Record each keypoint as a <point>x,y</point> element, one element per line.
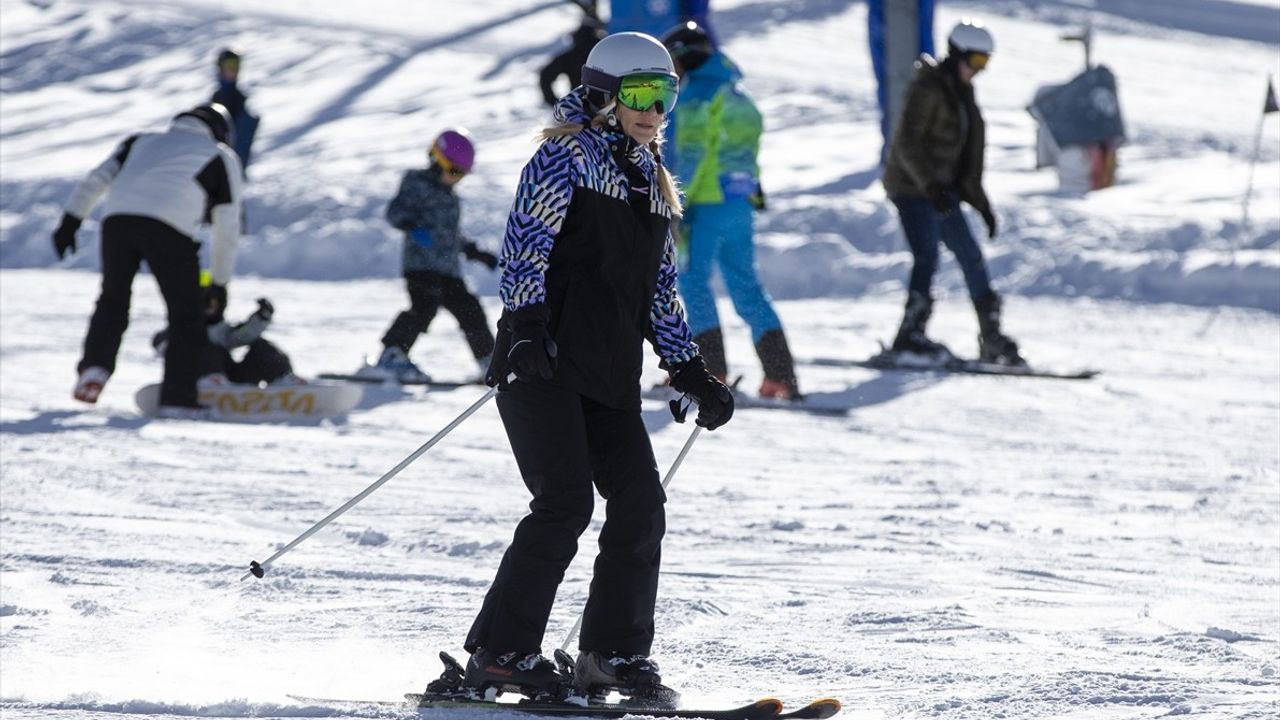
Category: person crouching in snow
<point>262,363</point>
<point>427,210</point>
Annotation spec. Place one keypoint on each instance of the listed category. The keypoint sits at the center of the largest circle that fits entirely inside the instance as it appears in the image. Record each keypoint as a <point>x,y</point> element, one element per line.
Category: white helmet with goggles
<point>633,67</point>
<point>969,36</point>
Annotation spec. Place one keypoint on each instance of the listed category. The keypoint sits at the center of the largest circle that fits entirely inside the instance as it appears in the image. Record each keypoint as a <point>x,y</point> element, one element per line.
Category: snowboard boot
<point>527,673</point>
<point>779,367</point>
<point>634,676</point>
<point>911,337</point>
<point>711,346</point>
<point>993,345</point>
<point>89,385</point>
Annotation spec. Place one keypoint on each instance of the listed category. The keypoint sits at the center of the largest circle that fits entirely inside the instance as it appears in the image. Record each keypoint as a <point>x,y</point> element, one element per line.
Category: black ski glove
<point>487,259</point>
<point>533,352</point>
<point>989,217</point>
<point>64,238</point>
<point>715,401</point>
<point>939,197</point>
<point>757,198</point>
<point>215,303</point>
<point>265,309</point>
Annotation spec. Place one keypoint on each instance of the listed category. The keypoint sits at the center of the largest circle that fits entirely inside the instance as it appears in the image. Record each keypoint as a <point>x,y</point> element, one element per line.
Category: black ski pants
<point>564,444</point>
<point>427,292</point>
<point>264,362</point>
<point>128,240</point>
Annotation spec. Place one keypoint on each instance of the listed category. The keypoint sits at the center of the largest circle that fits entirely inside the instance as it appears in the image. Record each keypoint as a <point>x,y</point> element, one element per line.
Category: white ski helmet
<point>622,54</point>
<point>970,36</point>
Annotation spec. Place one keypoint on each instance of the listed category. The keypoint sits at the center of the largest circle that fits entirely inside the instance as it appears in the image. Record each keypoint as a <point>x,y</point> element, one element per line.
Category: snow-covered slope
<point>351,94</point>
<point>952,548</point>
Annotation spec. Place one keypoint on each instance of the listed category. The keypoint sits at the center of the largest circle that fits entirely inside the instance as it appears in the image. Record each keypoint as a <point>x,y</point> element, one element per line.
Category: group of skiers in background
<point>602,242</point>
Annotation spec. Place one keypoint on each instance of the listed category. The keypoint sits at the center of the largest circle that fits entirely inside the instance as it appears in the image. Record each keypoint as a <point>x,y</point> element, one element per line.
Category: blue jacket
<point>714,134</point>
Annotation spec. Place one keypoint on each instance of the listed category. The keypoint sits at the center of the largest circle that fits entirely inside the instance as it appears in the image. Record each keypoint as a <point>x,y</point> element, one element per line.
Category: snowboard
<point>231,402</point>
<point>890,360</point>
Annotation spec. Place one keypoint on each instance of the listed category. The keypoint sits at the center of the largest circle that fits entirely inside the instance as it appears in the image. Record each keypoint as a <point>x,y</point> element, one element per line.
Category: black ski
<point>763,709</point>
<point>373,380</point>
<point>448,692</point>
<point>816,404</point>
<point>894,361</point>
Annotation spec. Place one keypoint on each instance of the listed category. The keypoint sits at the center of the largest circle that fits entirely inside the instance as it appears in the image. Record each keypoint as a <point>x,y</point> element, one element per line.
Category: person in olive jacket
<point>935,162</point>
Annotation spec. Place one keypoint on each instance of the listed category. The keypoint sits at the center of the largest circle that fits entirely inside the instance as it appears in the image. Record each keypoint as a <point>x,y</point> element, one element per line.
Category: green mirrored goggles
<point>641,92</point>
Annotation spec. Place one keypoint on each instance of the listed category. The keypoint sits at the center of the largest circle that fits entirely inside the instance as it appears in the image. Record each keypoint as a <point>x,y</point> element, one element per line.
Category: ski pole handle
<point>257,569</point>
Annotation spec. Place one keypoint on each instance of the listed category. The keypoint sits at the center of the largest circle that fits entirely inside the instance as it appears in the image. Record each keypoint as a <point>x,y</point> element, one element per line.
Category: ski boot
<point>527,673</point>
<point>911,339</point>
<point>89,385</point>
<point>635,677</point>
<point>779,367</point>
<point>394,365</point>
<point>993,345</point>
<point>711,347</point>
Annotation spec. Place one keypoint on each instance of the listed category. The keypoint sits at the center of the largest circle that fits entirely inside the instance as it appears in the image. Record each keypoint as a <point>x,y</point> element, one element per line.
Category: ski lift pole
<point>257,569</point>
<point>697,430</point>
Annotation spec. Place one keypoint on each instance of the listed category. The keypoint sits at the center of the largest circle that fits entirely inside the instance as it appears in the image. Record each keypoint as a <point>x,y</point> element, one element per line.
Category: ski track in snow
<point>953,547</point>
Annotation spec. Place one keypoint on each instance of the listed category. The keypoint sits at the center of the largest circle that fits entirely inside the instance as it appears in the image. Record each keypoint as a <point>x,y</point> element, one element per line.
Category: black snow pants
<point>427,292</point>
<point>264,362</point>
<point>564,444</point>
<point>128,240</point>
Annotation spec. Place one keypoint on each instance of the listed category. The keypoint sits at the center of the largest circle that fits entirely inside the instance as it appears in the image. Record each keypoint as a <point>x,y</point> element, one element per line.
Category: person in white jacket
<point>159,188</point>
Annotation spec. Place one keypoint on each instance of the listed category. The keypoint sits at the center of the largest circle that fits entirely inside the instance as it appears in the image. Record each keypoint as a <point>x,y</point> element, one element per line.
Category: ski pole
<point>697,430</point>
<point>259,569</point>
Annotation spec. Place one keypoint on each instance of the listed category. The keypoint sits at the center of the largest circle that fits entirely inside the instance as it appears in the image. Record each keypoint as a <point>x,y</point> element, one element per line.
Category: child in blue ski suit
<point>715,133</point>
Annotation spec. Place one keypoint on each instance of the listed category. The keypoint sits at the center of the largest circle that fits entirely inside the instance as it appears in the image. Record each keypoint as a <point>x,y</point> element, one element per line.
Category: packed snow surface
<point>950,547</point>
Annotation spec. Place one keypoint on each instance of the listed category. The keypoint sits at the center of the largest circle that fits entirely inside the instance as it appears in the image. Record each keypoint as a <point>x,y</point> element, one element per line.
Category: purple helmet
<point>453,149</point>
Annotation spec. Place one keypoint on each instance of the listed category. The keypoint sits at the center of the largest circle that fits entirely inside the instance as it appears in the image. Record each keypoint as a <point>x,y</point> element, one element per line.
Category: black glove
<point>715,401</point>
<point>989,217</point>
<point>533,352</point>
<point>940,197</point>
<point>757,198</point>
<point>487,259</point>
<point>64,238</point>
<point>215,302</point>
<point>265,309</point>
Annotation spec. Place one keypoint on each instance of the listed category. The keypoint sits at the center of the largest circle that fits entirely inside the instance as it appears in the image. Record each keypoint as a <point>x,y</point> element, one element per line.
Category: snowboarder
<point>159,187</point>
<point>264,362</point>
<point>935,161</point>
<point>569,62</point>
<point>244,123</point>
<point>716,137</point>
<point>427,210</point>
<point>588,272</point>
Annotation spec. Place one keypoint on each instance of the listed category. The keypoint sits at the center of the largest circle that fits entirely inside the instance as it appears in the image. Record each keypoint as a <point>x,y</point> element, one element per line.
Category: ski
<point>374,380</point>
<point>894,361</point>
<point>815,404</point>
<point>763,709</point>
<point>816,710</point>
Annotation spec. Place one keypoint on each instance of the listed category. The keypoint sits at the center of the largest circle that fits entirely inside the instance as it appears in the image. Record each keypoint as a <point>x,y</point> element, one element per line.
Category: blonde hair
<point>666,181</point>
